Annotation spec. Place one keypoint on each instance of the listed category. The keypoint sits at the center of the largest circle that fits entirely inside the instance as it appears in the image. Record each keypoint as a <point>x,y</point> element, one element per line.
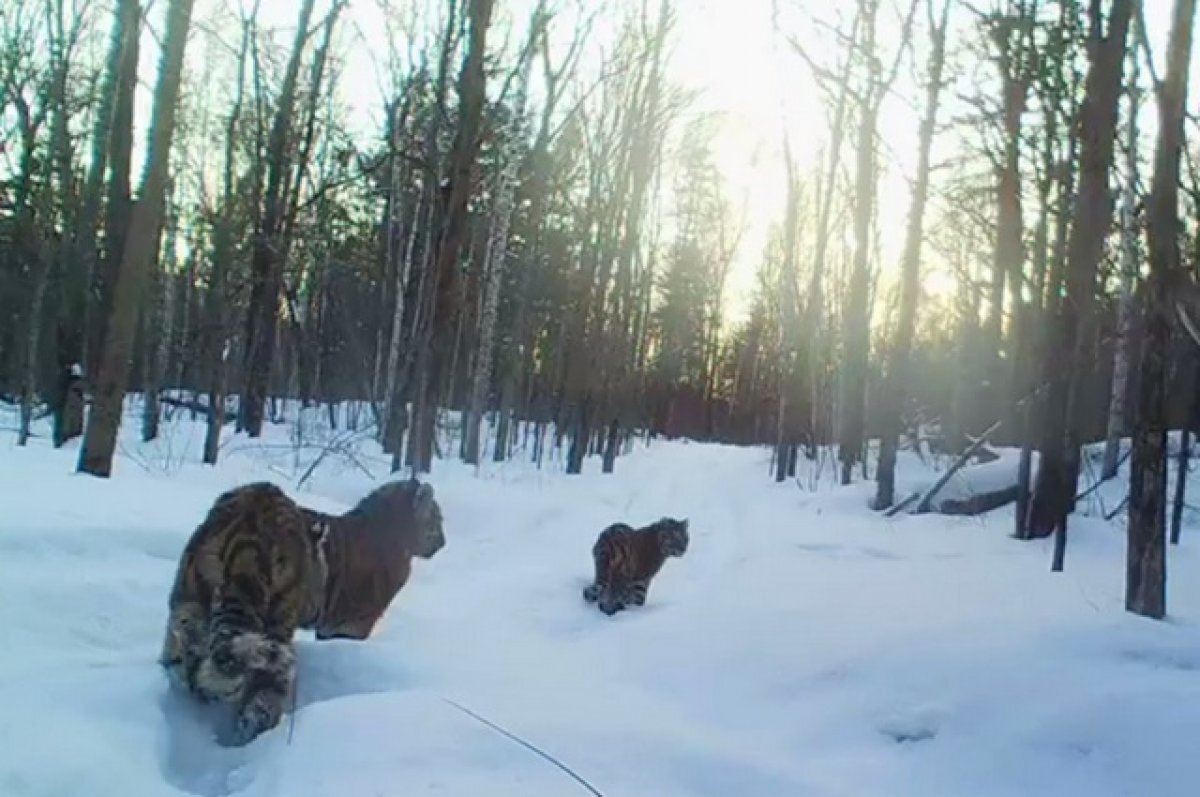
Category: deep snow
<point>804,646</point>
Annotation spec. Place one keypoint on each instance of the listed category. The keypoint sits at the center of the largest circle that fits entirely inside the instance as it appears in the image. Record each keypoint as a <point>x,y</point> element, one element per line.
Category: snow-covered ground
<point>804,646</point>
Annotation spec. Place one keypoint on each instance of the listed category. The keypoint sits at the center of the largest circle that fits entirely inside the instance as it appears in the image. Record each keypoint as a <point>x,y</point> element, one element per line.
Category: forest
<point>987,236</point>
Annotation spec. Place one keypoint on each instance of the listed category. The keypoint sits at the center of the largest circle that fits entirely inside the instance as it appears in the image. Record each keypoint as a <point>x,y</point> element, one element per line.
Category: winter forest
<point>919,260</point>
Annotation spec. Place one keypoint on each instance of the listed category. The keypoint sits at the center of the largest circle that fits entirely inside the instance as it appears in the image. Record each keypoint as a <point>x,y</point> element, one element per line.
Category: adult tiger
<point>260,566</point>
<point>627,559</point>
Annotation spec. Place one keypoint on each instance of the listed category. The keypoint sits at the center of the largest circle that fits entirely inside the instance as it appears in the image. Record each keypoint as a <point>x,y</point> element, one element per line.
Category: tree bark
<point>897,385</point>
<point>788,315</point>
<point>1146,562</point>
<point>472,95</point>
<point>1011,32</point>
<point>497,253</point>
<point>1054,489</point>
<point>216,343</point>
<point>855,325</point>
<point>267,258</point>
<point>1130,264</point>
<point>99,443</point>
<point>118,205</point>
<point>856,319</point>
<point>161,310</point>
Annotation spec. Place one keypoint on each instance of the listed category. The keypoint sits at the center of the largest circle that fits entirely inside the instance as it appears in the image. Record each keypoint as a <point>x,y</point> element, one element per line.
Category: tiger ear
<point>423,499</point>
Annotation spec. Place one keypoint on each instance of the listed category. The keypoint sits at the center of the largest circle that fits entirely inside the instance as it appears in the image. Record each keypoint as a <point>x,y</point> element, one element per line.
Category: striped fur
<point>251,574</point>
<point>369,552</point>
<point>627,559</point>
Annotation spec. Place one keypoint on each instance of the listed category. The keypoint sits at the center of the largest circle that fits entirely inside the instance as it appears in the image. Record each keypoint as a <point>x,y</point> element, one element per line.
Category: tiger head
<point>672,536</point>
<point>368,551</point>
<point>407,512</point>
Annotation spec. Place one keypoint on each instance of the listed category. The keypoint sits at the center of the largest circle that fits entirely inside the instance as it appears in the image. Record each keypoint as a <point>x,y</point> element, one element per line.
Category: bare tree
<point>897,384</point>
<point>68,416</point>
<point>856,314</point>
<point>442,325</point>
<point>504,196</point>
<point>1054,489</point>
<point>100,437</point>
<point>1146,564</point>
<point>267,259</point>
<point>215,324</point>
<point>1130,250</point>
<point>118,202</point>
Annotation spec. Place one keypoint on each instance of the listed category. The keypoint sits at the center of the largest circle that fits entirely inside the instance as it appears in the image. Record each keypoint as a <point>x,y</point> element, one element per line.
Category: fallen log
<point>978,443</point>
<point>979,503</point>
<point>195,406</point>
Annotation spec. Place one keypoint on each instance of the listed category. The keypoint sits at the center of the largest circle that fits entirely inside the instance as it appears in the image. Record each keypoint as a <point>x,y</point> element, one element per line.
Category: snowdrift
<point>804,646</point>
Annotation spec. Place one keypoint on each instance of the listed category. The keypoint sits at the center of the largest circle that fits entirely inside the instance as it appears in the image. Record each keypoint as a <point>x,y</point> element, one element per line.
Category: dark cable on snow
<point>543,754</point>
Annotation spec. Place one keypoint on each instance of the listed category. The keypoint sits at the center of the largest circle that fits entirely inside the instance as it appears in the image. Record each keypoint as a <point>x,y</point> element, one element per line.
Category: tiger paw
<point>252,720</point>
<point>590,593</point>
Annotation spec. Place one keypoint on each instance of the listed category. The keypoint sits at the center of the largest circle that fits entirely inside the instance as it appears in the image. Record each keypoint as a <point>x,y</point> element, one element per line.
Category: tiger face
<point>626,561</point>
<point>430,538</point>
<point>673,536</point>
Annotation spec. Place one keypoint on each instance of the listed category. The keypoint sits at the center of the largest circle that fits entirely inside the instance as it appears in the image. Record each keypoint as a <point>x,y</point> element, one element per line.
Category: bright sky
<point>726,50</point>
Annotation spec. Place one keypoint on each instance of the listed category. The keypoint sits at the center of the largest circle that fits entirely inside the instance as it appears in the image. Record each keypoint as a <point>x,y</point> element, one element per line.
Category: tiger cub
<point>250,575</point>
<point>627,559</point>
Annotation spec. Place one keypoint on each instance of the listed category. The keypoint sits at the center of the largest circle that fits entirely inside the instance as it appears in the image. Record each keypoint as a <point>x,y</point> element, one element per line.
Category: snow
<point>803,646</point>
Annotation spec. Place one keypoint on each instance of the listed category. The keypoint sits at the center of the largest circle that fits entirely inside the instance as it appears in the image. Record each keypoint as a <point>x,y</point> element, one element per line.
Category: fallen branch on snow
<point>897,508</point>
<point>927,499</point>
<point>194,406</point>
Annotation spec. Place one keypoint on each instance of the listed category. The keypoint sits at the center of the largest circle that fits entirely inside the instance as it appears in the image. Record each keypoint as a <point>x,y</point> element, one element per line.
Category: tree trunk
<point>1146,561</point>
<point>897,385</point>
<point>1129,268</point>
<point>472,95</point>
<point>398,253</point>
<point>1054,490</point>
<point>118,206</point>
<point>40,266</point>
<point>496,256</point>
<point>266,261</point>
<point>788,315</point>
<point>216,343</point>
<point>856,326</point>
<point>68,419</point>
<point>100,438</point>
<point>161,308</point>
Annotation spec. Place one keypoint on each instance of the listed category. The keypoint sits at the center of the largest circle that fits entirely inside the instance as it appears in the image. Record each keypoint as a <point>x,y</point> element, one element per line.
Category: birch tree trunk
<point>497,248</point>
